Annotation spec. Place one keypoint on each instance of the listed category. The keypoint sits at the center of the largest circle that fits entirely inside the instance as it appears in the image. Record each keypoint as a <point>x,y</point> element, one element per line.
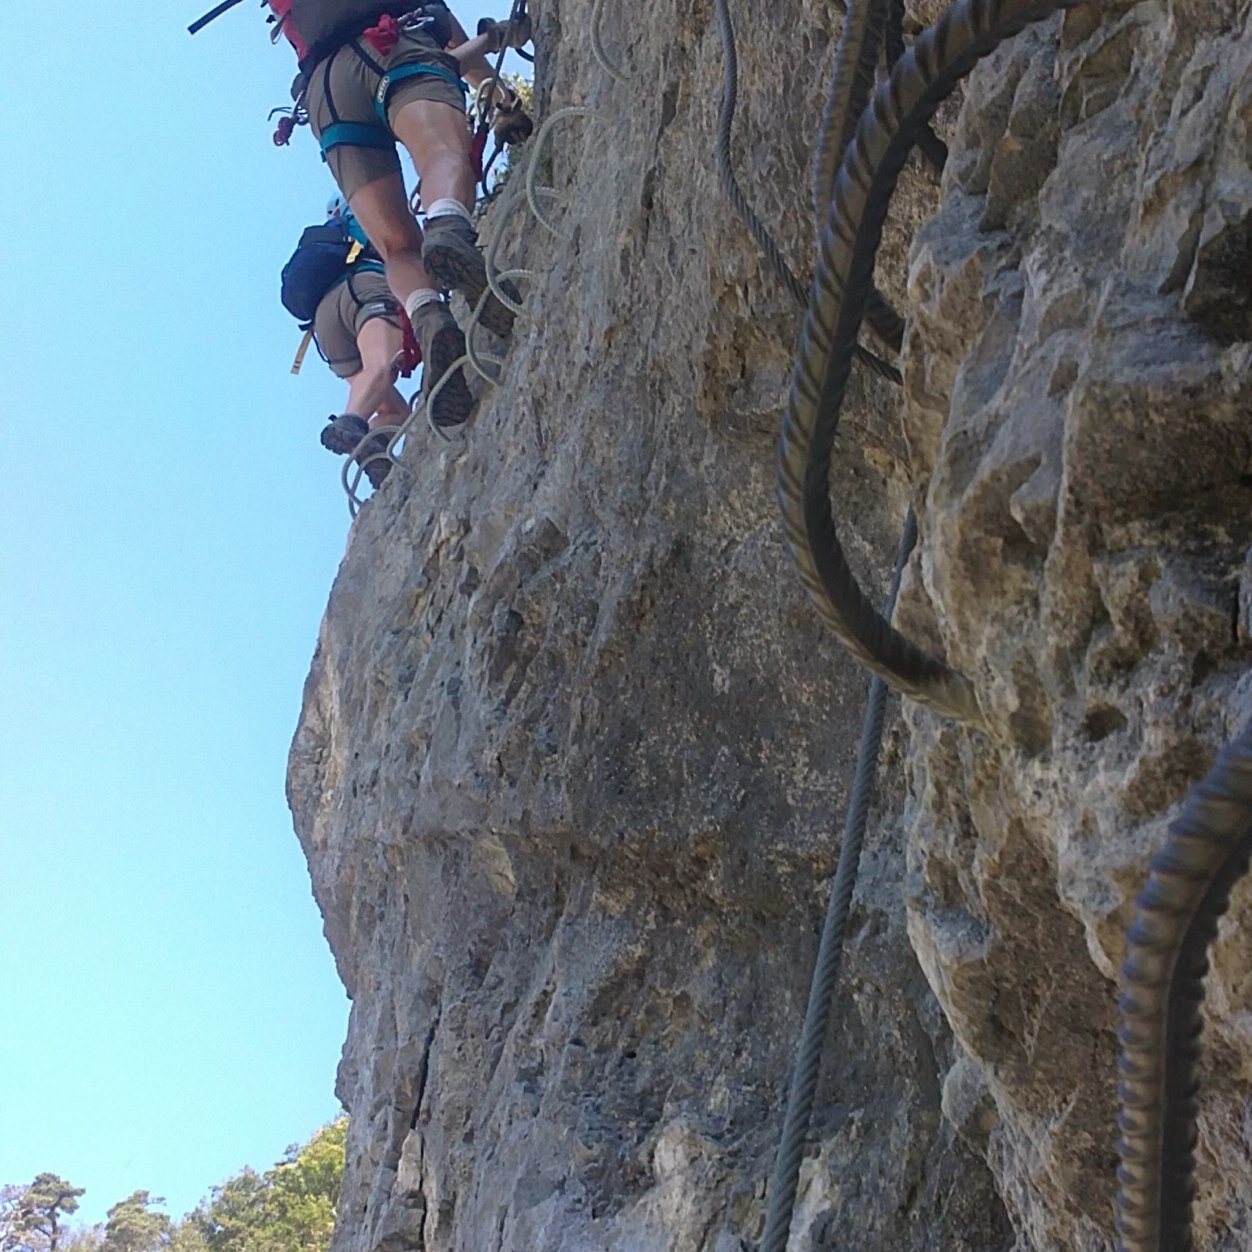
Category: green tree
<point>290,1208</point>
<point>186,1237</point>
<point>134,1226</point>
<point>30,1216</point>
<point>82,1239</point>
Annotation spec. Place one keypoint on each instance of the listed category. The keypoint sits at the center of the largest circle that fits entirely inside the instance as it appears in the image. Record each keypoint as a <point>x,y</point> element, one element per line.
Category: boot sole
<point>454,403</point>
<point>339,441</point>
<point>455,270</point>
<point>371,456</point>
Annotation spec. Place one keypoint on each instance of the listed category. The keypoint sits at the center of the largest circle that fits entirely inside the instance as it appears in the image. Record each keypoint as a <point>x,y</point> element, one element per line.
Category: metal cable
<point>932,148</point>
<point>1211,844</point>
<point>478,360</point>
<point>852,81</point>
<point>493,248</point>
<point>1176,916</point>
<point>921,80</point>
<point>516,14</point>
<point>597,45</point>
<point>533,190</point>
<point>782,1187</point>
<point>856,60</point>
<point>734,193</point>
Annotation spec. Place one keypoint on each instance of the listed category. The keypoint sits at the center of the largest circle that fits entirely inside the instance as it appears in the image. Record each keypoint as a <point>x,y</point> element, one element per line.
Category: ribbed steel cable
<point>1176,916</point>
<point>734,193</point>
<point>852,81</point>
<point>856,59</point>
<point>782,1187</point>
<point>921,80</point>
<point>929,144</point>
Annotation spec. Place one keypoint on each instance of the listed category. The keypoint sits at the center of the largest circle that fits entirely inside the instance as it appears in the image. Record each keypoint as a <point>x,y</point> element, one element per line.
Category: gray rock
<point>574,748</point>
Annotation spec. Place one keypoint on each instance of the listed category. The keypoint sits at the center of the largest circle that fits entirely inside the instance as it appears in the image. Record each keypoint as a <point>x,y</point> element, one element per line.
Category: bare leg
<point>382,208</point>
<point>438,140</point>
<point>371,387</point>
<point>392,412</point>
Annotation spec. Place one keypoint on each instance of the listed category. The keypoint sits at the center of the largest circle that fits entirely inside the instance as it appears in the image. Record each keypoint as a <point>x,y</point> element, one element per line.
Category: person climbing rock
<point>373,74</point>
<point>359,328</point>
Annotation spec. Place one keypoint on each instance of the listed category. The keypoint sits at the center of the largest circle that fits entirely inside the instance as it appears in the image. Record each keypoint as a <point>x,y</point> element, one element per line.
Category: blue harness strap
<point>412,70</point>
<point>356,135</point>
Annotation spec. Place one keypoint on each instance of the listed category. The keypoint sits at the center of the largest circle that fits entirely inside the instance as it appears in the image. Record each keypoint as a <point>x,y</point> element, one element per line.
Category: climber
<point>372,74</point>
<point>359,329</point>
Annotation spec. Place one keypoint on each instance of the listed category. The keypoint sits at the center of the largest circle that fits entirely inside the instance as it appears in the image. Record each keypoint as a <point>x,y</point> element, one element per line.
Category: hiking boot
<point>372,456</point>
<point>452,257</point>
<point>442,342</point>
<point>344,433</point>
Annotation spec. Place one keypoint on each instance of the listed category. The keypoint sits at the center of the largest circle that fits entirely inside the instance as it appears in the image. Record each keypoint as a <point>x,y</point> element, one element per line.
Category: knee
<point>396,238</point>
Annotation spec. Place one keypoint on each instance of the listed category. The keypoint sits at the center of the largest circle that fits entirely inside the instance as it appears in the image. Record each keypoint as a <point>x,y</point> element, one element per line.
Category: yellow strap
<point>355,250</point>
<point>304,347</point>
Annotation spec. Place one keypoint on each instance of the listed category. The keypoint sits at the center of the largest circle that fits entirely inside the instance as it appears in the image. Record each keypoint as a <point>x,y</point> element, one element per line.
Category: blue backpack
<point>318,263</point>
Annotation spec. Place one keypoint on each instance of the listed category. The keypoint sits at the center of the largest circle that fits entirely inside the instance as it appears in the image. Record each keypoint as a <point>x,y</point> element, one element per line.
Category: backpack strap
<point>302,349</point>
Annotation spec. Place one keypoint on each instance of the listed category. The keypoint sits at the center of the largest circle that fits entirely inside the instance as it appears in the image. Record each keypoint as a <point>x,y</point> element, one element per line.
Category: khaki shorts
<point>344,309</point>
<point>342,89</point>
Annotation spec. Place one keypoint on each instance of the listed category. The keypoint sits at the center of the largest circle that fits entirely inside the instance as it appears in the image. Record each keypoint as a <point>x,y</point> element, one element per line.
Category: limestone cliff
<point>574,748</point>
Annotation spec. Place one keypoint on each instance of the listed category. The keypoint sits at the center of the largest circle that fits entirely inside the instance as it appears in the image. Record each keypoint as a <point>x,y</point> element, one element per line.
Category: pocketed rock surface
<point>575,750</point>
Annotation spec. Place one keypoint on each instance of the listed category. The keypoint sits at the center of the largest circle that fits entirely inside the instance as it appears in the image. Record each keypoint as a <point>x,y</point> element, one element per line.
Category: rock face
<point>574,750</point>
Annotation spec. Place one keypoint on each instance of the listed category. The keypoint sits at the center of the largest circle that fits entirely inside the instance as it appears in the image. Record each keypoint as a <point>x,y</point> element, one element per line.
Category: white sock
<point>449,208</point>
<point>419,299</point>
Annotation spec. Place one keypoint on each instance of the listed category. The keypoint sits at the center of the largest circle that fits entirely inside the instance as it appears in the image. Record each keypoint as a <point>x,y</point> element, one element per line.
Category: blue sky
<point>171,528</point>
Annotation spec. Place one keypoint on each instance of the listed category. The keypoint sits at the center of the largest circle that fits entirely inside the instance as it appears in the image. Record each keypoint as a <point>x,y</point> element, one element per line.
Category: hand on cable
<point>505,34</point>
<point>511,123</point>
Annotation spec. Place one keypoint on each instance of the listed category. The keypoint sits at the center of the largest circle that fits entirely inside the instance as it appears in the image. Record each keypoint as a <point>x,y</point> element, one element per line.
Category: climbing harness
<point>402,73</point>
<point>403,358</point>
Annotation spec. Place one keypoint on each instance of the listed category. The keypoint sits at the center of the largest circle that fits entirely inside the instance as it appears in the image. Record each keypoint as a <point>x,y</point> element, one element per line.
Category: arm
<point>471,54</point>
